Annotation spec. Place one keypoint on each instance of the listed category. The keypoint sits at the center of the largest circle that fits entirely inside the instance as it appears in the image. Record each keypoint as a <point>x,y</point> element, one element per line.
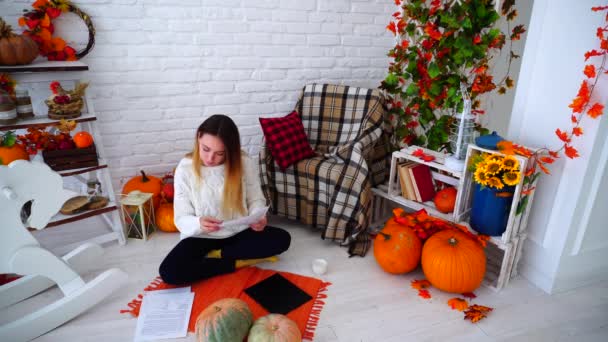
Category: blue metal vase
<point>490,210</point>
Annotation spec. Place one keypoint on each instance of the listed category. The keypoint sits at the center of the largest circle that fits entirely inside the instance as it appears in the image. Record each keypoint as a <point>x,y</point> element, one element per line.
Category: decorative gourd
<point>11,153</point>
<point>274,328</point>
<point>453,262</point>
<point>397,249</point>
<point>164,218</point>
<point>227,320</point>
<point>15,49</point>
<point>445,200</point>
<point>145,183</point>
<point>83,139</point>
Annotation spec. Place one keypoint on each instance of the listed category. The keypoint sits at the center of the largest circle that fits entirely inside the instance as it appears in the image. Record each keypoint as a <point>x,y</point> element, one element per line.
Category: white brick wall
<point>159,68</point>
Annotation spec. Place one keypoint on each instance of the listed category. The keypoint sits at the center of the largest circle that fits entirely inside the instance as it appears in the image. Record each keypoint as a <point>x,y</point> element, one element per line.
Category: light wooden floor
<point>364,304</point>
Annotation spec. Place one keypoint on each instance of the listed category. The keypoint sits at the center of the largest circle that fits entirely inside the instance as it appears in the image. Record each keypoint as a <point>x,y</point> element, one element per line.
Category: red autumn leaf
<point>435,4</point>
<point>577,131</point>
<point>458,304</point>
<point>420,284</point>
<point>600,33</point>
<point>589,71</point>
<point>583,91</point>
<point>554,154</point>
<point>517,32</point>
<point>475,312</point>
<point>542,167</point>
<point>599,8</point>
<point>424,294</point>
<point>547,160</point>
<point>528,191</point>
<point>596,110</point>
<point>427,158</point>
<point>397,15</point>
<point>571,152</point>
<point>470,295</point>
<point>397,2</point>
<point>432,31</point>
<point>592,53</point>
<point>573,119</point>
<point>481,69</point>
<point>405,44</point>
<point>530,171</point>
<point>418,153</point>
<point>392,27</point>
<point>412,124</point>
<point>563,136</point>
<point>604,44</point>
<point>477,39</point>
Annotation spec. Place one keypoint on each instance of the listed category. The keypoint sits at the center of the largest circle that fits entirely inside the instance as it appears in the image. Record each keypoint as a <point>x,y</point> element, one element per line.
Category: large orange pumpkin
<point>227,319</point>
<point>453,262</point>
<point>145,183</point>
<point>274,328</point>
<point>164,218</point>
<point>15,49</point>
<point>10,153</point>
<point>445,200</point>
<point>397,249</point>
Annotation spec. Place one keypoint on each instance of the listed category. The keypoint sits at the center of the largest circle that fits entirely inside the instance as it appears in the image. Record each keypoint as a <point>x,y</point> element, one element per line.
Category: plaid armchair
<point>332,190</point>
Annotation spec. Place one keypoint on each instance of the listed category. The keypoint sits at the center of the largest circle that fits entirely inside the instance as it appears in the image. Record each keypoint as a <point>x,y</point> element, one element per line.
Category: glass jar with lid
<point>24,104</point>
<point>8,109</point>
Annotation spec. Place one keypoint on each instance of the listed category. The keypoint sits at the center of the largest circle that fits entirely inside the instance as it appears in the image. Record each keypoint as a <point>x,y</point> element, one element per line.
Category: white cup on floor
<point>319,266</point>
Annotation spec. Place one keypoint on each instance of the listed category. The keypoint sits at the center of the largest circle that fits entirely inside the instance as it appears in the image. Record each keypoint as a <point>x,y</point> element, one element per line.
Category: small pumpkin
<point>145,183</point>
<point>15,49</point>
<point>274,328</point>
<point>164,218</point>
<point>397,249</point>
<point>453,262</point>
<point>10,150</point>
<point>445,200</point>
<point>83,139</point>
<point>226,320</point>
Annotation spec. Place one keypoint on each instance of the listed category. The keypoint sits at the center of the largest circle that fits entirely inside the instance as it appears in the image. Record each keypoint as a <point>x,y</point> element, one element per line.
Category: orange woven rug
<point>233,285</point>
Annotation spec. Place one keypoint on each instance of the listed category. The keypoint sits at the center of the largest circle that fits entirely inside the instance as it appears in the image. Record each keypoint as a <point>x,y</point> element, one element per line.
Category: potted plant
<point>442,45</point>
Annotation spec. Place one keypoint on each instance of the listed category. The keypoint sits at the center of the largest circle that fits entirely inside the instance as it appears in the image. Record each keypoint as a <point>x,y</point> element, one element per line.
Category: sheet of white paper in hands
<point>255,216</point>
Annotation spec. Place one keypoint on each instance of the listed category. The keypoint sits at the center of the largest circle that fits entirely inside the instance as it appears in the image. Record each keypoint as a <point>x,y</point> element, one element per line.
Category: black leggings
<point>187,261</point>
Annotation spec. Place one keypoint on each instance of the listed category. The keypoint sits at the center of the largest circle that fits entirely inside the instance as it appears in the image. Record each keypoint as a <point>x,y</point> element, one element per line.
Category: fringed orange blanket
<point>233,285</point>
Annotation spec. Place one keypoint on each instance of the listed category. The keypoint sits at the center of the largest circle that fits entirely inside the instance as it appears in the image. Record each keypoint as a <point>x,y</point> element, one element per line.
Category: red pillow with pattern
<point>286,139</point>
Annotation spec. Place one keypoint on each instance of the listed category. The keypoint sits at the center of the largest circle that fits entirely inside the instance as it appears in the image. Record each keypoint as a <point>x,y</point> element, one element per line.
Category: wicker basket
<point>65,111</point>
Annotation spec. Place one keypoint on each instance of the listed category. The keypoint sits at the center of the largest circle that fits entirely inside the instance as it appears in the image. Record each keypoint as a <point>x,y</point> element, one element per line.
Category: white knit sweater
<point>192,200</point>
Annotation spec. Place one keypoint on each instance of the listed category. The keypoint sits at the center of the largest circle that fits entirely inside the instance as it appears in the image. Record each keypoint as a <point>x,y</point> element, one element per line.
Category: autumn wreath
<point>39,23</point>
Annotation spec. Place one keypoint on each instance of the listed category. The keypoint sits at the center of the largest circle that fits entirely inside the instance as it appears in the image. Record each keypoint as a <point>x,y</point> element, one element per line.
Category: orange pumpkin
<point>15,49</point>
<point>83,139</point>
<point>11,153</point>
<point>274,327</point>
<point>164,218</point>
<point>453,262</point>
<point>445,200</point>
<point>227,319</point>
<point>397,249</point>
<point>145,183</point>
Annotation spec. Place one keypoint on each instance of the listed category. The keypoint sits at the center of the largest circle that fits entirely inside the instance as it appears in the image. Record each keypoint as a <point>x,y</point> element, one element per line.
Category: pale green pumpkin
<point>274,328</point>
<point>227,320</point>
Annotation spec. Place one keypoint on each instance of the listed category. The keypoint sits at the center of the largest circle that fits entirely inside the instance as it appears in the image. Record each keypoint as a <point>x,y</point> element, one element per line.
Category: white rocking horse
<point>20,253</point>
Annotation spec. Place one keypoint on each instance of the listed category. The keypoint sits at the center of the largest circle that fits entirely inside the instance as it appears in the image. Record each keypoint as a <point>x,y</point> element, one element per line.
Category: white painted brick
<point>266,97</point>
<point>170,38</point>
<point>385,42</point>
<point>216,87</point>
<point>336,73</point>
<point>177,89</point>
<point>117,11</point>
<point>181,113</point>
<point>111,24</point>
<point>336,28</point>
<point>227,27</point>
<point>232,75</point>
<point>356,41</point>
<point>271,51</point>
<point>335,6</point>
<point>289,16</point>
<point>229,99</point>
<point>267,26</point>
<point>227,110</point>
<point>186,101</point>
<point>299,74</point>
<point>159,25</point>
<point>303,28</point>
<point>371,30</point>
<point>370,8</point>
<point>252,14</point>
<point>357,18</point>
<point>323,39</point>
<point>184,25</point>
<point>287,85</point>
<point>285,107</point>
<point>214,39</point>
<point>372,51</point>
<point>288,39</point>
<point>306,51</point>
<point>320,63</point>
<point>324,17</point>
<point>181,2</point>
<point>142,115</point>
<point>137,91</point>
<point>341,51</point>
<point>139,160</point>
<point>148,51</point>
<point>172,12</point>
<point>260,3</point>
<point>298,4</point>
<point>283,63</point>
<point>354,62</point>
<point>253,38</point>
<point>269,75</point>
<point>245,63</point>
<point>181,63</point>
<point>108,50</point>
<point>252,86</point>
<point>256,108</point>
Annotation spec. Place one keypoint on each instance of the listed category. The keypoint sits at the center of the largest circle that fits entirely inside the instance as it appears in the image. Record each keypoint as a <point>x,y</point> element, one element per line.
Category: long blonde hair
<point>223,127</point>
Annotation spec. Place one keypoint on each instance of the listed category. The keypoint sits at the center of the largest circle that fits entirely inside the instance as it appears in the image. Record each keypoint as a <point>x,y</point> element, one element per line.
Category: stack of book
<point>416,181</point>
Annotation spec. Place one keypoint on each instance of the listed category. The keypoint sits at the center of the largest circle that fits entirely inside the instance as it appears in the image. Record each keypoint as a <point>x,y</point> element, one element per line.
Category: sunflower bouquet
<point>495,170</point>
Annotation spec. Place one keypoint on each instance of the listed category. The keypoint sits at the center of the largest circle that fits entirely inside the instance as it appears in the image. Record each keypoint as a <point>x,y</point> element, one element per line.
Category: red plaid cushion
<point>286,139</point>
